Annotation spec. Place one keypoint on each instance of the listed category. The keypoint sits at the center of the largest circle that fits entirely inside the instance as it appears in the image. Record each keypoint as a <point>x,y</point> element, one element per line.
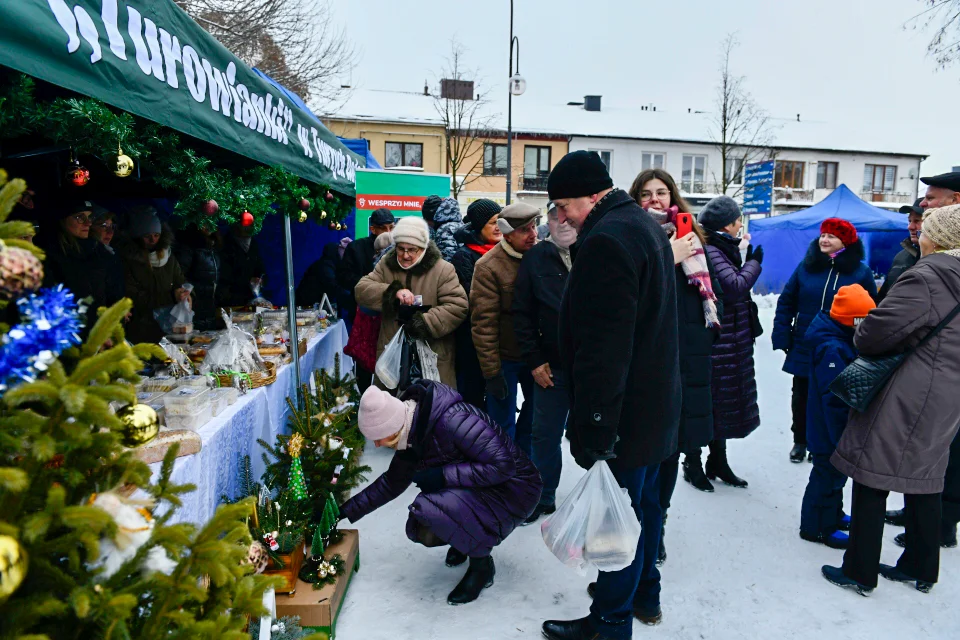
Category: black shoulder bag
<point>860,382</point>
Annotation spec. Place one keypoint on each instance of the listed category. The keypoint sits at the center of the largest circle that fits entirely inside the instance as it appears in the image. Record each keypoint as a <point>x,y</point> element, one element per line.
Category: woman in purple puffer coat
<point>475,484</point>
<point>734,384</point>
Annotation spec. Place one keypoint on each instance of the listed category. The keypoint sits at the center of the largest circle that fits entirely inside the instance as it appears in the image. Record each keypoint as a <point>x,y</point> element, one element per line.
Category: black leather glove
<point>497,387</point>
<point>430,480</point>
<point>417,328</point>
<point>755,254</point>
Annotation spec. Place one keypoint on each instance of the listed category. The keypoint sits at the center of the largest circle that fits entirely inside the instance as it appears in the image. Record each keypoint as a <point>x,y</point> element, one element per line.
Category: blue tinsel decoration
<point>52,321</point>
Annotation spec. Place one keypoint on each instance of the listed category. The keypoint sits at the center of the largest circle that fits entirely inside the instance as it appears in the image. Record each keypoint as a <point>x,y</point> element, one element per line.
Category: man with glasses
<point>491,316</point>
<point>103,227</point>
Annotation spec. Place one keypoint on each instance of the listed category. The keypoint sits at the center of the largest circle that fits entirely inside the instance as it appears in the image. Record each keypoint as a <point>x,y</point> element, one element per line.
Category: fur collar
<point>911,248</point>
<point>510,251</point>
<point>846,262</point>
<point>430,260</point>
<point>131,249</point>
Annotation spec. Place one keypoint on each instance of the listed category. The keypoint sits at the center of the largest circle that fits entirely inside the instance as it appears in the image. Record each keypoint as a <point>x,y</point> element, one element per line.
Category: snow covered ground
<point>736,567</point>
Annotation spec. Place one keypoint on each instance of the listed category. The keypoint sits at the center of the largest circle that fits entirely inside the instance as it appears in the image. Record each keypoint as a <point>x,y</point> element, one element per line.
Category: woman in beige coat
<point>414,267</point>
<point>902,442</point>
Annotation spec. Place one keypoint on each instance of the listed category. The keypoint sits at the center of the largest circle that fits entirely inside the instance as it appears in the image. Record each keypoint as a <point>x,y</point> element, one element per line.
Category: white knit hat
<point>381,415</point>
<point>412,230</point>
<point>943,226</point>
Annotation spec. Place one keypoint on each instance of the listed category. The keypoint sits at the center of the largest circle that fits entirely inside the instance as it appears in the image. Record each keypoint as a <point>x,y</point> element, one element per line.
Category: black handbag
<point>756,329</point>
<point>860,382</point>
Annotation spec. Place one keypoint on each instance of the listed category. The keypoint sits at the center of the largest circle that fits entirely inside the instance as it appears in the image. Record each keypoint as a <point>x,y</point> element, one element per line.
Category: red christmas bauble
<point>329,197</point>
<point>304,205</point>
<point>333,226</point>
<point>246,219</point>
<point>211,208</point>
<point>78,176</point>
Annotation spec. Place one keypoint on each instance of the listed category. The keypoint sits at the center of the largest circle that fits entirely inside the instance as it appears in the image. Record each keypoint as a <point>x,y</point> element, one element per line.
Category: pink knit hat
<point>381,415</point>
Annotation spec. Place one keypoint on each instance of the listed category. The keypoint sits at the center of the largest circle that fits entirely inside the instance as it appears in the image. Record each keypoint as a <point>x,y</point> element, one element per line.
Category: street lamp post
<point>517,86</point>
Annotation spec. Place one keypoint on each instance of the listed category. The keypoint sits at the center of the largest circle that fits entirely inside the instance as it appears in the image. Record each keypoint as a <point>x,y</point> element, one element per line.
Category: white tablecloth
<point>260,414</point>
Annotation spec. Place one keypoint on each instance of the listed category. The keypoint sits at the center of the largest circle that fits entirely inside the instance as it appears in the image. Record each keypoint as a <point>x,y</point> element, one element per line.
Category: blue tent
<point>785,238</point>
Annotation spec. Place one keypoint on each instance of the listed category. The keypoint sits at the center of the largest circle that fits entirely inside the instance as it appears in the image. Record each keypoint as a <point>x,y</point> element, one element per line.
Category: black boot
<point>895,517</point>
<point>693,473</point>
<point>717,466</point>
<point>478,577</point>
<point>581,629</point>
<point>948,535</point>
<point>455,558</point>
<point>798,453</point>
<point>662,551</point>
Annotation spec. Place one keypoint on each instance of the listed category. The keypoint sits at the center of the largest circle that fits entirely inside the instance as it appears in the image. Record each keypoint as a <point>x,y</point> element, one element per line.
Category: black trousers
<point>801,387</point>
<point>951,486</point>
<point>920,560</point>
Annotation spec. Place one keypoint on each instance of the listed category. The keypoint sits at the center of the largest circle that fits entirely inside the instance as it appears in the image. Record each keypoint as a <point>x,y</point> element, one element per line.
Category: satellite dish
<point>517,85</point>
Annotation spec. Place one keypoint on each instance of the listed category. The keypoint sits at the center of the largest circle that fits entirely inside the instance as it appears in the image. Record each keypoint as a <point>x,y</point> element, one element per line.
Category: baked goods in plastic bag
<point>235,350</point>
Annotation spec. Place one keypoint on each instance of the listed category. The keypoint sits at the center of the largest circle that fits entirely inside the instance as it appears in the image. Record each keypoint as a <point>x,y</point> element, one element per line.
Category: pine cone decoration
<point>19,271</point>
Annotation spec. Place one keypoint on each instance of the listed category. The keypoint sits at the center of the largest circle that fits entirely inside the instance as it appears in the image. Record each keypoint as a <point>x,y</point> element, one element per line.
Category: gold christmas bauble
<point>13,566</point>
<point>303,216</point>
<point>140,424</point>
<point>323,215</point>
<point>124,166</point>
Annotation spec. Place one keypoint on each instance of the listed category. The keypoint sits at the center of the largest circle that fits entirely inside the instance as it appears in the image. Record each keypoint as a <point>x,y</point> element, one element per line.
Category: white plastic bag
<point>428,361</point>
<point>595,526</point>
<point>388,364</point>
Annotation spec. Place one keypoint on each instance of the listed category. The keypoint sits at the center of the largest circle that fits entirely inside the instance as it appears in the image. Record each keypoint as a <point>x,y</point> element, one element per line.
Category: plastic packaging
<point>191,421</point>
<point>235,350</point>
<point>229,393</point>
<point>388,364</point>
<point>428,361</point>
<point>186,400</point>
<point>150,397</point>
<point>200,382</point>
<point>220,399</point>
<point>161,384</point>
<point>595,526</point>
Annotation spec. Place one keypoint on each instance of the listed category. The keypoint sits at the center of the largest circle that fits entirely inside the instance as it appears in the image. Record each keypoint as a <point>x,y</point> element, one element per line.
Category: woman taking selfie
<point>413,272</point>
<point>698,320</point>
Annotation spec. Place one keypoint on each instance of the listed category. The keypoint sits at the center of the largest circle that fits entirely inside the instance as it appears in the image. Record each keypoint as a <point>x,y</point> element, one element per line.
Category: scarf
<point>411,411</point>
<point>695,268</point>
<point>481,248</point>
<point>418,261</point>
<point>109,249</point>
<point>244,243</point>
<point>159,258</point>
<point>342,246</point>
<point>564,253</point>
<point>513,253</point>
<point>951,252</point>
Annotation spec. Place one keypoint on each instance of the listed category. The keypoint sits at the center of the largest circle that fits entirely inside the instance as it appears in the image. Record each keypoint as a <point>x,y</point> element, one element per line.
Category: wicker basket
<point>258,379</point>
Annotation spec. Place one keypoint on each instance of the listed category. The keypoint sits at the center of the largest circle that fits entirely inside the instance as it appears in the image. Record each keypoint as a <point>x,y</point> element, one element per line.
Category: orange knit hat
<point>851,305</point>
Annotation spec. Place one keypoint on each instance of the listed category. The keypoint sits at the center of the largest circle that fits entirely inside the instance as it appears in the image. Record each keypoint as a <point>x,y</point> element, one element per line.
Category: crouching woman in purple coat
<point>475,484</point>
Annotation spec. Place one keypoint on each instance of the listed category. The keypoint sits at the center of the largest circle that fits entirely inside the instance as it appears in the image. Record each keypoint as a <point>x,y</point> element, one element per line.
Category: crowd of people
<point>637,343</point>
<point>104,255</point>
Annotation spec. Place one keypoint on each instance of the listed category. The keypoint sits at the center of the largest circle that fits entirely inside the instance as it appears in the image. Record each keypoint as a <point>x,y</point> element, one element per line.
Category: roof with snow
<point>533,114</point>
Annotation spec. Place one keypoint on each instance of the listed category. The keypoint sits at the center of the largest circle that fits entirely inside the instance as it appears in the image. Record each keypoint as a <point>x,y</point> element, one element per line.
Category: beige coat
<point>902,442</point>
<point>435,280</point>
<point>491,308</point>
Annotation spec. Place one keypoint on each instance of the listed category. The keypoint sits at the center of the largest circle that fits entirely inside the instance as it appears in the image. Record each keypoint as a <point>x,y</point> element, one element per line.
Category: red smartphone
<point>684,225</point>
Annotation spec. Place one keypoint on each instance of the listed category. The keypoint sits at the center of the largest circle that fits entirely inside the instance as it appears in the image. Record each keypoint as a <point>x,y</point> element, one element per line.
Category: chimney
<point>426,88</point>
<point>798,117</point>
<point>591,103</point>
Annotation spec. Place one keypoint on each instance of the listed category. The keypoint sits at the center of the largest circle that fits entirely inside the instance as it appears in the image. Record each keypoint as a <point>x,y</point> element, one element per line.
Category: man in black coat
<point>242,267</point>
<point>321,277</point>
<point>536,323</point>
<point>910,254</point>
<point>357,262</point>
<point>619,346</point>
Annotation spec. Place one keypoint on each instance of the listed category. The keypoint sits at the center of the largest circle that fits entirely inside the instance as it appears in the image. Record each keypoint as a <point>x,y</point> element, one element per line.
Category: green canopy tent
<point>151,59</point>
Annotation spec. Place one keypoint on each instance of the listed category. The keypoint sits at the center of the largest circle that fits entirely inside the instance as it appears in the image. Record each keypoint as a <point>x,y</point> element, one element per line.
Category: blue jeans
<point>504,412</point>
<point>550,409</point>
<point>822,505</point>
<point>618,592</point>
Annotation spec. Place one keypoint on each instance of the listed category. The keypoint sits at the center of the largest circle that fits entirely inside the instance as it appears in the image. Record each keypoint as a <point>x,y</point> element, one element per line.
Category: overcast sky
<point>850,62</point>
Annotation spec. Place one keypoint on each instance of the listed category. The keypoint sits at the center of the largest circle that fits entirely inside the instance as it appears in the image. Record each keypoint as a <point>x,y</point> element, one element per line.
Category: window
<point>404,154</point>
<point>651,161</point>
<point>494,159</point>
<point>879,178</point>
<point>735,169</point>
<point>605,156</point>
<point>826,175</point>
<point>536,168</point>
<point>694,170</point>
<point>788,174</point>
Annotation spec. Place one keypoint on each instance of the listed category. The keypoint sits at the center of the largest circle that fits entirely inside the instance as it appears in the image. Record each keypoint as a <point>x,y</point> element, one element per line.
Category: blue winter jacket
<point>809,291</point>
<point>831,350</point>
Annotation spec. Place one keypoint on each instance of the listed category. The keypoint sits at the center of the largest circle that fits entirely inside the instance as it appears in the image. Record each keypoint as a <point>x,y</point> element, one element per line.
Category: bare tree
<point>741,130</point>
<point>943,16</point>
<point>295,42</point>
<point>466,123</point>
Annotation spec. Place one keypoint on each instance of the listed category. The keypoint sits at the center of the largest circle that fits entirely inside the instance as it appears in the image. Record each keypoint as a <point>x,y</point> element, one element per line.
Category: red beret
<point>840,228</point>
